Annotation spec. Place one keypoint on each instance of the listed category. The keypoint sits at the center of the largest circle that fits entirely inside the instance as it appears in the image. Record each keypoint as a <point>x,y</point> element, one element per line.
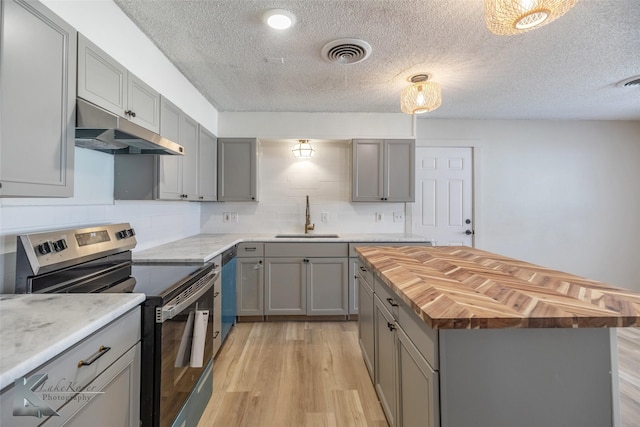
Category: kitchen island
<point>479,339</point>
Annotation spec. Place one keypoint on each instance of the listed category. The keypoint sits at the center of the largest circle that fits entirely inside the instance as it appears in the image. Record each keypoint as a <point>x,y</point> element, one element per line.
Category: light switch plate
<point>234,217</point>
<point>324,216</point>
<point>379,216</point>
<point>226,217</point>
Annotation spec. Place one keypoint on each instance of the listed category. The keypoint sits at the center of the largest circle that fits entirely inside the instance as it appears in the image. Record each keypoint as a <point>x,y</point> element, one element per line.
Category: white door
<point>443,211</point>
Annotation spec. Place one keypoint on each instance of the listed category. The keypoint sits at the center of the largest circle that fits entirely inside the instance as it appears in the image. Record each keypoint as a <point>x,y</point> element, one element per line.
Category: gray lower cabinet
<point>383,170</point>
<point>108,390</point>
<point>327,286</point>
<point>385,371</point>
<point>353,285</point>
<point>306,279</point>
<point>250,286</point>
<point>237,169</point>
<point>366,329</point>
<point>405,357</point>
<point>285,286</point>
<point>37,105</point>
<point>106,83</point>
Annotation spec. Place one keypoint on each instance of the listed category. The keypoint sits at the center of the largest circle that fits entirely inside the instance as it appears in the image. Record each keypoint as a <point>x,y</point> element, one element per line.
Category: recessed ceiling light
<point>279,19</point>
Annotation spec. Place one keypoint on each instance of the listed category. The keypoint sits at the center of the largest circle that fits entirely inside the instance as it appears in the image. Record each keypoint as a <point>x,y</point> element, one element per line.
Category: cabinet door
<point>367,167</point>
<point>385,371</point>
<point>143,103</point>
<point>117,401</point>
<point>327,286</point>
<point>189,132</point>
<point>101,79</point>
<point>399,170</point>
<point>37,105</point>
<point>237,169</point>
<point>207,165</point>
<point>418,387</point>
<point>353,285</point>
<point>366,325</point>
<point>170,167</point>
<point>250,287</point>
<point>285,286</point>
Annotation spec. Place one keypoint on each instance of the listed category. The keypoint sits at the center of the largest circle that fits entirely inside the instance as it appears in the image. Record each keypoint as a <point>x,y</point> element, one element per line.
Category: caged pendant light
<point>421,96</point>
<point>507,17</point>
<point>303,149</point>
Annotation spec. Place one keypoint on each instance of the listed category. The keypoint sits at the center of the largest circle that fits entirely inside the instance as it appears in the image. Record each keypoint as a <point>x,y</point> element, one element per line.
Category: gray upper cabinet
<point>191,177</point>
<point>383,170</point>
<point>237,169</point>
<point>37,82</point>
<point>207,166</point>
<point>106,83</point>
<point>170,167</point>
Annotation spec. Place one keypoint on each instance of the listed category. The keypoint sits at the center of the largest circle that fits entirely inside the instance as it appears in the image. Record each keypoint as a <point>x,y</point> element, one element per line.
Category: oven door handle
<point>169,311</point>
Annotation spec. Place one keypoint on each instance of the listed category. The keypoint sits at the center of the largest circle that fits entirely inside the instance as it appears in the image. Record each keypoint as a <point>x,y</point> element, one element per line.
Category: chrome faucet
<point>307,223</point>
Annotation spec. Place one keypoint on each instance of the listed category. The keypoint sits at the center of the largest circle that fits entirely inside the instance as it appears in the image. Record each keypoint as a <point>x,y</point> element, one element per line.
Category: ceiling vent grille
<point>631,81</point>
<point>346,51</point>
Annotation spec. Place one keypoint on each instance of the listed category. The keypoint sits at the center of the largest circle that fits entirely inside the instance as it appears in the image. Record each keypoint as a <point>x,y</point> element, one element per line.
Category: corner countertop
<point>457,287</point>
<point>204,247</point>
<point>34,328</point>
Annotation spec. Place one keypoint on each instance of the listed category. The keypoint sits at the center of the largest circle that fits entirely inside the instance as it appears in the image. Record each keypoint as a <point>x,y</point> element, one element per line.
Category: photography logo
<point>33,396</point>
<point>26,402</point>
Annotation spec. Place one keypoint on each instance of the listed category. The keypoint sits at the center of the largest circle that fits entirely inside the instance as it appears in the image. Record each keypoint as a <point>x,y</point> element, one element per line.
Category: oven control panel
<point>67,247</point>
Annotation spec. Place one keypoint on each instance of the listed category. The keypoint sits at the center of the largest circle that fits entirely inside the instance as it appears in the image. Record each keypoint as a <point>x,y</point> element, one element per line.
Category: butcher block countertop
<point>457,287</point>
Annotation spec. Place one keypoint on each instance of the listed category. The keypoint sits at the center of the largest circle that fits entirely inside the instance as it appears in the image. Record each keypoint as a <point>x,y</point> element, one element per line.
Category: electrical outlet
<point>234,217</point>
<point>398,217</point>
<point>324,217</point>
<point>226,217</point>
<point>378,216</point>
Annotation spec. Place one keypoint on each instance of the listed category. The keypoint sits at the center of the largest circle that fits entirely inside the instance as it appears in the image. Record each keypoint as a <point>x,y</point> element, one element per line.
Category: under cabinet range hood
<point>101,130</point>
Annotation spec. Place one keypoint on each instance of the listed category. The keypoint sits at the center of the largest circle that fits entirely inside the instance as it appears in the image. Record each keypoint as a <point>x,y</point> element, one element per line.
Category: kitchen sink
<point>306,236</point>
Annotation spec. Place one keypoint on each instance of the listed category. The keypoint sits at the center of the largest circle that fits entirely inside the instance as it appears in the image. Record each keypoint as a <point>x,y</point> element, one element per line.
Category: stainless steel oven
<point>177,315</point>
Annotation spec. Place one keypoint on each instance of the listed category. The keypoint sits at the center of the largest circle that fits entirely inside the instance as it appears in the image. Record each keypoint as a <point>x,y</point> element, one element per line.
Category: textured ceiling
<point>565,70</point>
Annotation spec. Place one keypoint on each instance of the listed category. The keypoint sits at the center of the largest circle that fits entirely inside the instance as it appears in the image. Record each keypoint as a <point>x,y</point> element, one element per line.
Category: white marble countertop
<point>203,247</point>
<point>35,328</point>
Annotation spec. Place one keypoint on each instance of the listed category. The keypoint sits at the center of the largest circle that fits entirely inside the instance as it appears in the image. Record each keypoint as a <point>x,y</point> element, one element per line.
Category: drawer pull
<point>363,269</point>
<point>216,293</point>
<point>251,249</point>
<point>101,352</point>
<point>391,326</point>
<point>216,335</point>
<point>392,302</point>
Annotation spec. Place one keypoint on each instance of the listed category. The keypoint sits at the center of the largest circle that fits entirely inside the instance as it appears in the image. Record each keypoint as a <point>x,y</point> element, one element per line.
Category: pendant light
<point>303,149</point>
<point>506,17</point>
<point>421,96</point>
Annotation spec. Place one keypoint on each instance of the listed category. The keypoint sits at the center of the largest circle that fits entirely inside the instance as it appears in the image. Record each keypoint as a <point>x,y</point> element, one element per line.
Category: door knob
<point>469,232</point>
<point>467,221</point>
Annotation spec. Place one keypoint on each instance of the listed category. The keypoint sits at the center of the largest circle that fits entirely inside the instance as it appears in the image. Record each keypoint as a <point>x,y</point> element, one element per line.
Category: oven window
<point>185,354</point>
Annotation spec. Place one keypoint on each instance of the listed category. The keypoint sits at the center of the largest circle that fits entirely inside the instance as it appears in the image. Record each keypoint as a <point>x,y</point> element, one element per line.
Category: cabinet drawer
<point>306,250</point>
<point>250,250</point>
<point>422,336</point>
<point>390,300</point>
<point>63,373</point>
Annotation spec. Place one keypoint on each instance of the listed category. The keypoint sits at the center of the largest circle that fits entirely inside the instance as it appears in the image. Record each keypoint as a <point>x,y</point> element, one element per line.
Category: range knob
<point>45,248</point>
<point>60,245</point>
<point>131,232</point>
<point>122,234</point>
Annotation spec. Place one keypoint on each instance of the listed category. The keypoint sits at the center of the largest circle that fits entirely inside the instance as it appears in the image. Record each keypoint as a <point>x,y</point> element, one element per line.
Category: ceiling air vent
<point>346,51</point>
<point>631,81</point>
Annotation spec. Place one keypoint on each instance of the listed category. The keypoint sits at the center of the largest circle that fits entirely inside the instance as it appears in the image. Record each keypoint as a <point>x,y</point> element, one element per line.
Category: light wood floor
<point>311,374</point>
<point>277,374</point>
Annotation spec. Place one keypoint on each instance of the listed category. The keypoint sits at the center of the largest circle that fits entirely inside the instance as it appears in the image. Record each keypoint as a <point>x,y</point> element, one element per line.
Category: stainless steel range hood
<point>101,130</point>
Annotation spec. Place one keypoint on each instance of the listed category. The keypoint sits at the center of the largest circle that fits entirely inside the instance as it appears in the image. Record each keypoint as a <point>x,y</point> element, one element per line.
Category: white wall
<point>563,194</point>
<point>283,184</point>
